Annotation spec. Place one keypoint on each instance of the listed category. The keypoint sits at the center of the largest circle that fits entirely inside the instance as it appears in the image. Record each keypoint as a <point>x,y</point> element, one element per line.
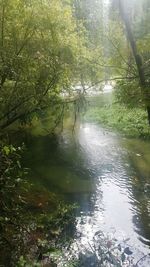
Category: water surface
<point>107,175</point>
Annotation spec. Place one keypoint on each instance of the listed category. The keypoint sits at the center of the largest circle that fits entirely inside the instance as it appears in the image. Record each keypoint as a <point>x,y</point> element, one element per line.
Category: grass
<point>130,122</point>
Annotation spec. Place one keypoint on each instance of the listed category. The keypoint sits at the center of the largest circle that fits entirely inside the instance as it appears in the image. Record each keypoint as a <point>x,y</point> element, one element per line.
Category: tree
<point>137,57</point>
<point>39,57</point>
<point>139,60</point>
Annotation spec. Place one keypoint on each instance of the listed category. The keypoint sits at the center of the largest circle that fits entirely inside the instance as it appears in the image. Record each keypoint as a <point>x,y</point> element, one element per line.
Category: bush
<point>32,222</point>
<point>129,121</point>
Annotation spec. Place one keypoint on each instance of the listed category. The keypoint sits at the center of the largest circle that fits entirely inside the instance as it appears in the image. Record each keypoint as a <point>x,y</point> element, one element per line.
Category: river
<point>108,176</point>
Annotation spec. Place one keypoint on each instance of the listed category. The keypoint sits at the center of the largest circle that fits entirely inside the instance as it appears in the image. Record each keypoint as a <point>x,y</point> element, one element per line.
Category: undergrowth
<point>129,121</point>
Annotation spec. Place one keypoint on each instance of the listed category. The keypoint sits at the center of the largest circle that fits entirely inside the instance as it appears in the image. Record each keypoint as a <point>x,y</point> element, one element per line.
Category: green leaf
<point>6,150</point>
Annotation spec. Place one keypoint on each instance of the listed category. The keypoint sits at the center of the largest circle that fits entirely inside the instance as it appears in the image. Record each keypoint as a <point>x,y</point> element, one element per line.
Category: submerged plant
<point>104,250</point>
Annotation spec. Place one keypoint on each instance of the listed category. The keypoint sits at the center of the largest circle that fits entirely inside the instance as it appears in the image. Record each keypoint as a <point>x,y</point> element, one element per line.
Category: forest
<point>75,133</point>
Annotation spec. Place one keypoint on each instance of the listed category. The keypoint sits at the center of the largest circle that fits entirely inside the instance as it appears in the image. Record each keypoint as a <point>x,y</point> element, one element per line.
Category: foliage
<point>11,203</point>
<point>49,47</point>
<point>129,121</point>
<point>41,57</point>
<point>129,94</point>
<point>31,222</point>
<point>90,13</point>
<point>137,50</point>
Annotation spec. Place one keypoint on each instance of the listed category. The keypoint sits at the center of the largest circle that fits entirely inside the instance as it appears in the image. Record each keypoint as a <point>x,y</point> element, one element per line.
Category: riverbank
<point>34,221</point>
<point>130,122</point>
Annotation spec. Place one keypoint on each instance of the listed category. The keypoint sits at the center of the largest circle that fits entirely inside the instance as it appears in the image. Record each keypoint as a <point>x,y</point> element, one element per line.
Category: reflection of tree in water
<point>105,251</point>
<point>51,149</point>
<point>141,193</point>
<point>142,219</point>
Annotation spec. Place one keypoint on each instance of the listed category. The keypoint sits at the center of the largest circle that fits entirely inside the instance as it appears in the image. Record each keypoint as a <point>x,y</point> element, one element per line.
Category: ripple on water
<point>114,202</point>
<point>109,181</point>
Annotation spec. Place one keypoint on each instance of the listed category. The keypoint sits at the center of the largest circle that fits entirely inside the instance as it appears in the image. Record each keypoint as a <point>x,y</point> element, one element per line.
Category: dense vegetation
<point>128,64</point>
<point>31,219</point>
<point>39,57</point>
<point>47,49</point>
<point>131,122</point>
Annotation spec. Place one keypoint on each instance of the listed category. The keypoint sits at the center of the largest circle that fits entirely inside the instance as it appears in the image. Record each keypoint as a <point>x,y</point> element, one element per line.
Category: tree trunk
<point>137,57</point>
<point>148,112</point>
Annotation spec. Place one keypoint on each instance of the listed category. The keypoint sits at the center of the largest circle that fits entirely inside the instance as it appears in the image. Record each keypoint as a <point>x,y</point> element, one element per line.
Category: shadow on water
<point>139,156</point>
<point>57,165</point>
<point>108,176</point>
